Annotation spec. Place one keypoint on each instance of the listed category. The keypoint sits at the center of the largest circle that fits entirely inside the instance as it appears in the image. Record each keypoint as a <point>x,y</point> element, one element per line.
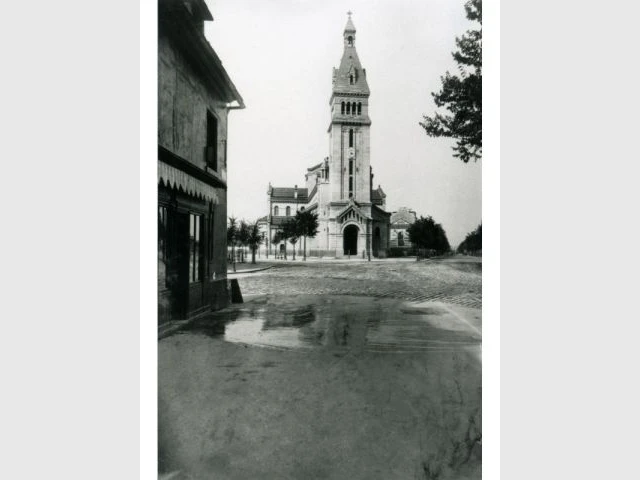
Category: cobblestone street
<point>457,280</point>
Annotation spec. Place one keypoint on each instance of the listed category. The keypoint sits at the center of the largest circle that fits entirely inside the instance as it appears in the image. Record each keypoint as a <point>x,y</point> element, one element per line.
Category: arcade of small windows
<point>351,108</point>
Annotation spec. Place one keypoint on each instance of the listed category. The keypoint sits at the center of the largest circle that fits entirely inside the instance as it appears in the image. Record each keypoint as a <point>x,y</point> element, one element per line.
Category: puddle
<point>308,322</point>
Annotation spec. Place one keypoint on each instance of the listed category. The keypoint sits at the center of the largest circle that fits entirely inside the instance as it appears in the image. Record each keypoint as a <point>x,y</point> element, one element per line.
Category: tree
<point>462,95</point>
<point>473,241</point>
<point>277,238</point>
<point>232,233</point>
<point>427,234</point>
<point>243,236</point>
<point>254,239</point>
<point>307,226</point>
<point>291,232</point>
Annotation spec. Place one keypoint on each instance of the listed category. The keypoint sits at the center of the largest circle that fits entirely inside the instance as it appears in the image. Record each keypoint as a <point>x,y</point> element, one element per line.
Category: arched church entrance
<point>350,240</point>
<point>376,241</point>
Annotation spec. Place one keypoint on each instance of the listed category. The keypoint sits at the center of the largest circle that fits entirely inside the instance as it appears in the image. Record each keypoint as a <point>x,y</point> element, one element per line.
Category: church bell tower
<point>349,136</point>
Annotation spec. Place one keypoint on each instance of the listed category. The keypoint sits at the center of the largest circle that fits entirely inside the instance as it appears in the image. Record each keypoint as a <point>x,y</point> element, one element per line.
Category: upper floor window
<point>359,108</point>
<point>275,211</point>
<point>288,211</point>
<point>211,150</point>
<point>342,109</point>
<point>350,41</point>
<point>351,137</point>
<point>348,108</point>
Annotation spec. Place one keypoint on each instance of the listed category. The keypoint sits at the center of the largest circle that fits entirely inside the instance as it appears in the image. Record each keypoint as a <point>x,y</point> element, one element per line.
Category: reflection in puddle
<point>337,322</point>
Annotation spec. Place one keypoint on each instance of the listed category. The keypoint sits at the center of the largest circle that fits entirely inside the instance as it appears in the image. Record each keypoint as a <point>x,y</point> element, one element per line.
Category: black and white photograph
<point>319,273</point>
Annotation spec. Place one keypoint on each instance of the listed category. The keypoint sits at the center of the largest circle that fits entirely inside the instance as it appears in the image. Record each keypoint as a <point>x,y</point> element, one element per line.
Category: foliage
<point>426,233</point>
<point>254,239</point>
<point>291,232</point>
<point>232,231</point>
<point>462,95</point>
<point>242,237</point>
<point>473,241</point>
<point>307,223</point>
<point>277,238</point>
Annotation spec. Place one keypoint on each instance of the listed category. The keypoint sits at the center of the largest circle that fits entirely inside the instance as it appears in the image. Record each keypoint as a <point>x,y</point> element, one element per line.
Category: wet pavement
<point>340,323</point>
<point>324,386</point>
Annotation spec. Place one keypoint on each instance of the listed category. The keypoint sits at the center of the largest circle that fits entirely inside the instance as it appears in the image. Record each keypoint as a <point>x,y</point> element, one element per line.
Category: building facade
<point>351,213</point>
<point>401,220</point>
<point>195,95</point>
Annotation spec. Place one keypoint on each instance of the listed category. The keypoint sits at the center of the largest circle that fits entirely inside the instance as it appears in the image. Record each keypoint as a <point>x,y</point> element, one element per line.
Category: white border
<point>148,232</point>
<point>491,240</point>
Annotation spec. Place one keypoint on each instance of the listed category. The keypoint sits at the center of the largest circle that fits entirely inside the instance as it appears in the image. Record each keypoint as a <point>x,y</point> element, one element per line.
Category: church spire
<point>350,77</point>
<point>349,32</point>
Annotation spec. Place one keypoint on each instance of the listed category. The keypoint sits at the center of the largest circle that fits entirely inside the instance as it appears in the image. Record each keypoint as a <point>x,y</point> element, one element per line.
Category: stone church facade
<point>351,213</point>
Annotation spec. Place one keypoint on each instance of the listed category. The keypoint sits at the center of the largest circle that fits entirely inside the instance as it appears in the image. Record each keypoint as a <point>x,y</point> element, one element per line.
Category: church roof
<point>403,215</point>
<point>286,194</point>
<point>310,169</point>
<point>377,196</point>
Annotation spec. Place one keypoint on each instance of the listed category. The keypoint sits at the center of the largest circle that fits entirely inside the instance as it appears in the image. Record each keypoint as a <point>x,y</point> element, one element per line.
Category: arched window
<point>353,108</point>
<point>351,137</point>
<point>350,40</point>
<point>348,108</point>
<point>359,108</point>
<point>351,79</point>
<point>275,211</point>
<point>400,239</point>
<point>288,211</point>
<point>342,109</point>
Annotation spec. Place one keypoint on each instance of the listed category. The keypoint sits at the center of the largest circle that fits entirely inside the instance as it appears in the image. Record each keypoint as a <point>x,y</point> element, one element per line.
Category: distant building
<point>195,95</point>
<point>351,213</point>
<point>401,220</point>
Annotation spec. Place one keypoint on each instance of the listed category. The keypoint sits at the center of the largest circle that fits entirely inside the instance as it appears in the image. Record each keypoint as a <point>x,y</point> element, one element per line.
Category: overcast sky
<point>280,55</point>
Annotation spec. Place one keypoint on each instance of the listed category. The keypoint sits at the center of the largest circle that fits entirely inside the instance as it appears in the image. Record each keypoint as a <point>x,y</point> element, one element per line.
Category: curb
<point>249,271</point>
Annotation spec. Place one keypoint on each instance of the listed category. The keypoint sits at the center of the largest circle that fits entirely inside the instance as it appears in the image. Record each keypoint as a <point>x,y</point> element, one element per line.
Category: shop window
<point>195,247</point>
<point>210,240</point>
<point>163,249</point>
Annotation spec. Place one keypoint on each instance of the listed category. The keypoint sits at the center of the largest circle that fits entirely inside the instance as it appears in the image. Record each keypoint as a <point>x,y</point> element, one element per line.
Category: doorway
<point>376,241</point>
<point>350,240</point>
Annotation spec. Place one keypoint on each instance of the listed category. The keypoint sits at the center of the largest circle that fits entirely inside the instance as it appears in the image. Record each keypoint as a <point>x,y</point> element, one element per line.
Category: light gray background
<point>69,360</point>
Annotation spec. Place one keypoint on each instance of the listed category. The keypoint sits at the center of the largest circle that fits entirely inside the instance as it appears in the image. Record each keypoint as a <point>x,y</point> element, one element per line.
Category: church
<point>351,213</point>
